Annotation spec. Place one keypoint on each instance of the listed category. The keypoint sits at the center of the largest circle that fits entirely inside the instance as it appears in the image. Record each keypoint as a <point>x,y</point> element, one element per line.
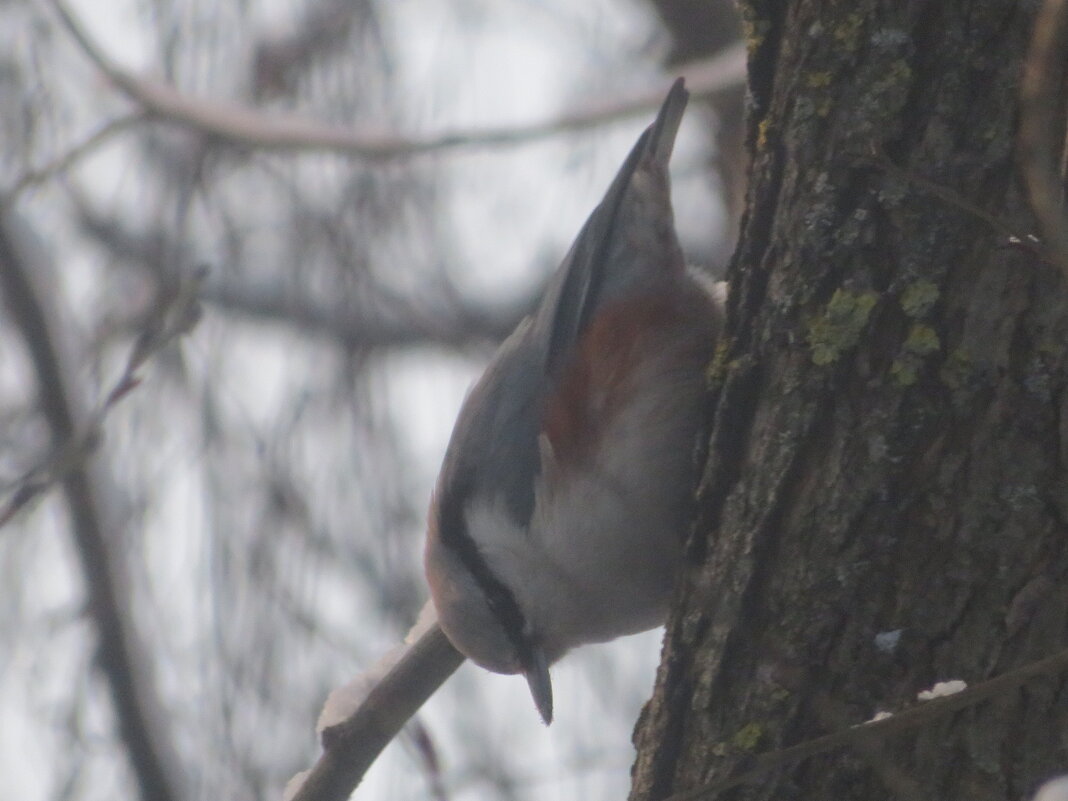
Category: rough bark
<point>890,425</point>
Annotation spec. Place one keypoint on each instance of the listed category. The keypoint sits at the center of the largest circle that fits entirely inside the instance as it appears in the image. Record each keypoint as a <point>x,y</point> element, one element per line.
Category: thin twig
<point>174,313</point>
<point>65,161</point>
<point>897,723</point>
<point>372,322</point>
<point>833,715</point>
<point>1041,135</point>
<point>881,160</point>
<point>247,127</point>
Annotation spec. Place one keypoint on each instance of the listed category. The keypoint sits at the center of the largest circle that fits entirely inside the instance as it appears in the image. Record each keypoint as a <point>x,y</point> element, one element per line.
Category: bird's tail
<point>661,139</point>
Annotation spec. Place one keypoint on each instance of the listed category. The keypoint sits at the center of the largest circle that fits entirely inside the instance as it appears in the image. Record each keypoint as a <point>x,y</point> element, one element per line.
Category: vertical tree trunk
<point>884,504</point>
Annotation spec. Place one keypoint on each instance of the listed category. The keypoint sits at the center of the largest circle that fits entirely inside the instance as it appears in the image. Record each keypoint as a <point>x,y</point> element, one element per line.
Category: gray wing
<point>502,417</point>
<point>574,290</point>
<point>494,445</point>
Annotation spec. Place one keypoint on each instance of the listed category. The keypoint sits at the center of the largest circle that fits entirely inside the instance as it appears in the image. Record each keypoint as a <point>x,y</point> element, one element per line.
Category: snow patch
<point>941,689</point>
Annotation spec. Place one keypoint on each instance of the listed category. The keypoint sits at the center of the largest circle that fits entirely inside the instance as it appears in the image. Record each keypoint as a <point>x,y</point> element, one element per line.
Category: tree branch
<point>351,747</point>
<point>246,127</point>
<point>95,525</point>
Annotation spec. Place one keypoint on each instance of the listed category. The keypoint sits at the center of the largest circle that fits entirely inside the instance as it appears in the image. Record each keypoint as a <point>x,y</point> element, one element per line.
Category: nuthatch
<point>563,501</point>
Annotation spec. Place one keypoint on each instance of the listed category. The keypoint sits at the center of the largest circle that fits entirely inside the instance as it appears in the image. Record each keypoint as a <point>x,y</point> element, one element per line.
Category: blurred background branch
<point>263,490</point>
<point>94,523</point>
<point>241,126</point>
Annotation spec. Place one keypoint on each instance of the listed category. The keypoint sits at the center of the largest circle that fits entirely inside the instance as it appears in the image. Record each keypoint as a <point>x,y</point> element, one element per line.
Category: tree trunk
<point>884,504</point>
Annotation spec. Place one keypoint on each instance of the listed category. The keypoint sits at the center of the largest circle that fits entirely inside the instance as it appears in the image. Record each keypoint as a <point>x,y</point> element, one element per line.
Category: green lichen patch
<point>895,79</point>
<point>905,370</point>
<point>847,32</point>
<point>748,737</point>
<point>921,341</point>
<point>762,134</point>
<point>754,28</point>
<point>717,370</point>
<point>878,110</point>
<point>838,329</point>
<point>957,370</point>
<point>918,298</point>
<point>818,80</point>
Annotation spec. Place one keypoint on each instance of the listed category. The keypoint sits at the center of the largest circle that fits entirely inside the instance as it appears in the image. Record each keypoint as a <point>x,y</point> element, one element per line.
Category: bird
<point>560,511</point>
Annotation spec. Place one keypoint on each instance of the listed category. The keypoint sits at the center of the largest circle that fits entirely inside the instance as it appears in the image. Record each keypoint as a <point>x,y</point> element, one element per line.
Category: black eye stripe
<point>453,531</point>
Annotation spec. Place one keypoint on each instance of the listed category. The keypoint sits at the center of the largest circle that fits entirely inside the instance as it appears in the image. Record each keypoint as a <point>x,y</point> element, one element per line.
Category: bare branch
<point>446,326</point>
<point>245,127</point>
<point>95,526</point>
<point>175,312</point>
<point>1041,136</point>
<point>352,746</point>
<point>360,322</point>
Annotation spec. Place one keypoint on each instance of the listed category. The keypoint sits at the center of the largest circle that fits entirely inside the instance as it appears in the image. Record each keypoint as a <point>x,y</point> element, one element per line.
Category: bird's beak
<point>537,673</point>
